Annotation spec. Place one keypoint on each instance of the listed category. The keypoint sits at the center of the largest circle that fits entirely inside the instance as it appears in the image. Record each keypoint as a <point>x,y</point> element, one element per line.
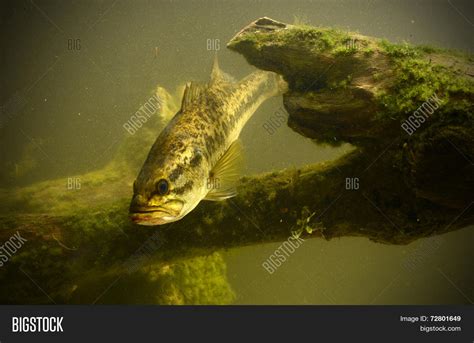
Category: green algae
<point>416,78</point>
<point>202,279</point>
<point>93,245</point>
<point>417,71</point>
<point>80,238</point>
<point>199,280</point>
<point>307,37</point>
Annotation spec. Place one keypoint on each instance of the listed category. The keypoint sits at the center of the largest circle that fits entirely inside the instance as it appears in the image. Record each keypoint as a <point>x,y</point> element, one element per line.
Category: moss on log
<point>346,87</point>
<point>357,88</point>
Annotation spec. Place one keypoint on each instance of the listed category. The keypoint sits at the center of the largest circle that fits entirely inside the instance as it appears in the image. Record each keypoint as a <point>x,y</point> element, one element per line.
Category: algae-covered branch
<point>416,101</point>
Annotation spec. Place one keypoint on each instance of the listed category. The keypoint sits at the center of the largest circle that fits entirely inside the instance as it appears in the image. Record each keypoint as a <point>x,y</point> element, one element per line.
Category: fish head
<point>167,191</point>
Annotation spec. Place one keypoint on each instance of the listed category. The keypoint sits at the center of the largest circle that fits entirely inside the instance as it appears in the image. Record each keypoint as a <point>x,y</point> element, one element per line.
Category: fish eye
<point>162,187</point>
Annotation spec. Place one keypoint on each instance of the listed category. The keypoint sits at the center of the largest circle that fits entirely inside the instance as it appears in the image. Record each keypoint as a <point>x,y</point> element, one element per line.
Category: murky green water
<point>72,100</point>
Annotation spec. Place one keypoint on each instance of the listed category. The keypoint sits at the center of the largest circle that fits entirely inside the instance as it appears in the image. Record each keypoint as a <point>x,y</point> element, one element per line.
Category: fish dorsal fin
<point>192,92</point>
<point>224,176</point>
<point>217,75</point>
<point>216,71</point>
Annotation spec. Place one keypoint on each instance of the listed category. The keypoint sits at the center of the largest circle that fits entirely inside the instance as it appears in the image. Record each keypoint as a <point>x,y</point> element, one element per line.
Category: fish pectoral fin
<point>225,174</point>
<point>219,196</point>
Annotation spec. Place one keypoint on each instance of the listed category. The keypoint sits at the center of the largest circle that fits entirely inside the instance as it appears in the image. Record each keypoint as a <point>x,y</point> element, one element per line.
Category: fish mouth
<point>159,215</point>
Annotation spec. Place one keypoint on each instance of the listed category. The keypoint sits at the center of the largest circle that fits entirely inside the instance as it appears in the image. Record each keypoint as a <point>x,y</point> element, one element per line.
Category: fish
<point>198,155</point>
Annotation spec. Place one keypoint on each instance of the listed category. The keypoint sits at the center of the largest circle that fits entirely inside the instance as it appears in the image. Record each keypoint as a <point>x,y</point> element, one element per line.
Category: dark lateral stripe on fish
<point>196,160</point>
<point>175,173</point>
<point>187,186</point>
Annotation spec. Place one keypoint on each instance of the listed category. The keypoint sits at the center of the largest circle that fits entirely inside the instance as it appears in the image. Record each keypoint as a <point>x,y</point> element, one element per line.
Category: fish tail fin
<point>276,84</point>
<point>281,84</point>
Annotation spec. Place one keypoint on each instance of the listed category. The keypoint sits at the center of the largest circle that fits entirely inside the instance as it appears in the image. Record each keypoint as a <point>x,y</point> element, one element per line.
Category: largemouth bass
<point>198,154</point>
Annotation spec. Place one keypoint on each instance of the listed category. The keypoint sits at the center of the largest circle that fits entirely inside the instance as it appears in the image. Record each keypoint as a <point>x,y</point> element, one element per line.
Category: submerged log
<point>346,87</point>
<point>392,188</point>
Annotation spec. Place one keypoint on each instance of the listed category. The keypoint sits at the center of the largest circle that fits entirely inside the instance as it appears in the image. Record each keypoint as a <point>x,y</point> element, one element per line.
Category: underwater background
<point>67,103</point>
